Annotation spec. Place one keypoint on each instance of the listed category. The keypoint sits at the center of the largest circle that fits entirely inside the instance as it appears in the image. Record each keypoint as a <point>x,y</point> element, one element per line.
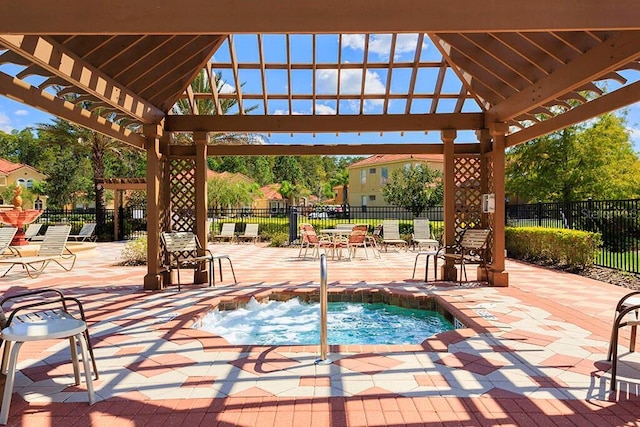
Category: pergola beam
<point>608,56</point>
<point>604,104</point>
<point>329,16</point>
<point>320,124</point>
<point>61,62</point>
<point>325,150</point>
<point>23,92</point>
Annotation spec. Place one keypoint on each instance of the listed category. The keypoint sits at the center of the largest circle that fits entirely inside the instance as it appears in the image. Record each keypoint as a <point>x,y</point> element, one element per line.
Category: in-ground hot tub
<point>283,320</point>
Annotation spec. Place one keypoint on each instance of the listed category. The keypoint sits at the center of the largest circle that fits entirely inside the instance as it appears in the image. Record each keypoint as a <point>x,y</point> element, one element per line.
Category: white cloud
<point>634,136</point>
<point>350,81</point>
<point>325,110</point>
<point>280,112</point>
<point>5,124</point>
<point>380,44</point>
<point>224,87</point>
<point>21,113</point>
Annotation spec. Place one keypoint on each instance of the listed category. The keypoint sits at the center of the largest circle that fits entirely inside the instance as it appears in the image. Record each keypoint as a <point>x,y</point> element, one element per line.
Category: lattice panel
<point>468,192</point>
<point>182,192</point>
<point>488,165</point>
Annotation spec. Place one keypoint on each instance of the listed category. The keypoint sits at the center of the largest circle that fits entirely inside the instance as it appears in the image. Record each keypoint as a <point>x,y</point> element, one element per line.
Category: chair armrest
<point>58,299</point>
<point>624,298</point>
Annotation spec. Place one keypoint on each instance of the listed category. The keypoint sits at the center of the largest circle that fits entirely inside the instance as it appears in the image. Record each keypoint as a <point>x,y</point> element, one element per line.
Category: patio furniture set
<point>228,233</point>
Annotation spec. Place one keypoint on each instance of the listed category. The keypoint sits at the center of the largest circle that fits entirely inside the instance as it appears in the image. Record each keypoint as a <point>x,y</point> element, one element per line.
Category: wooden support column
<point>497,275</point>
<point>117,202</point>
<point>201,139</point>
<point>449,271</point>
<point>154,278</point>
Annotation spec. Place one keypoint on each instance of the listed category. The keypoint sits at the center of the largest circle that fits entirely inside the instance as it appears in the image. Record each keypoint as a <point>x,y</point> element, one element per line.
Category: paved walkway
<point>532,354</point>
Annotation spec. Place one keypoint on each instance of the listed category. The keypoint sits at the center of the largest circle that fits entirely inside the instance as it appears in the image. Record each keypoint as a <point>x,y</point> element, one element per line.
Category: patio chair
<point>183,249</point>
<point>422,234</point>
<point>32,231</point>
<point>250,233</point>
<point>43,315</point>
<point>311,240</point>
<point>627,304</point>
<point>471,249</point>
<point>86,233</point>
<point>6,236</point>
<point>357,239</point>
<point>228,232</point>
<point>52,249</point>
<point>391,235</point>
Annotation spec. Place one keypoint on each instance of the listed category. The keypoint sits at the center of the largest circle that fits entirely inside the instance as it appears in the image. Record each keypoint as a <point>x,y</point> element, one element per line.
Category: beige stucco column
<point>497,274</point>
<point>154,278</point>
<point>200,139</point>
<point>448,136</point>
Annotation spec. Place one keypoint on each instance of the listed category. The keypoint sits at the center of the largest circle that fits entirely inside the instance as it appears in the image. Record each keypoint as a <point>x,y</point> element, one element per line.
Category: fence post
<point>539,214</point>
<point>293,224</point>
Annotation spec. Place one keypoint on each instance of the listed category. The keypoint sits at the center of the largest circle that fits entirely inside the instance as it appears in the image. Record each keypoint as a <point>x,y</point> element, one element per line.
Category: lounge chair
<point>250,233</point>
<point>183,249</point>
<point>422,235</point>
<point>52,249</point>
<point>32,231</point>
<point>6,236</point>
<point>86,233</point>
<point>43,315</point>
<point>391,235</point>
<point>228,232</point>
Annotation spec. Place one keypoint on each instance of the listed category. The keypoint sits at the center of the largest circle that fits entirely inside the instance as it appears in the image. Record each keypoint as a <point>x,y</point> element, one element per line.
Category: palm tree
<point>206,106</point>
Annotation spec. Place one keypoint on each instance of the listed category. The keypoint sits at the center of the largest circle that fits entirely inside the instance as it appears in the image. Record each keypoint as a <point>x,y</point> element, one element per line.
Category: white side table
<point>38,328</point>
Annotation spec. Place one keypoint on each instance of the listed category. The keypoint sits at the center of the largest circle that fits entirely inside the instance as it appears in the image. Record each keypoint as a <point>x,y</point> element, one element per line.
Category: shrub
<point>278,239</point>
<point>135,252</point>
<point>573,248</point>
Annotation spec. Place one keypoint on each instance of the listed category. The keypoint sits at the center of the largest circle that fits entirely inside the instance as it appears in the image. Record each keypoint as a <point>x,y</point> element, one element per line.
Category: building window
<point>21,182</point>
<point>3,181</point>
<point>372,197</point>
<point>363,176</point>
<point>363,199</point>
<point>29,183</point>
<point>372,170</point>
<point>37,204</point>
<point>384,175</point>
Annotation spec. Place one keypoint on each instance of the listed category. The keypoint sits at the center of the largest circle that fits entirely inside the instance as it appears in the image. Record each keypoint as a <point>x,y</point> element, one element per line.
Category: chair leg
<point>8,383</point>
<point>415,264</point>
<point>87,369</point>
<point>90,348</point>
<point>74,359</point>
<point>614,361</point>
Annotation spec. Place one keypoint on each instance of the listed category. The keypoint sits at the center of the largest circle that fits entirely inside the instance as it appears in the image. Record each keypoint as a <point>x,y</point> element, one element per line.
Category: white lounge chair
<point>32,231</point>
<point>52,248</point>
<point>391,235</point>
<point>422,235</point>
<point>228,232</point>
<point>250,233</point>
<point>86,233</point>
<point>6,236</point>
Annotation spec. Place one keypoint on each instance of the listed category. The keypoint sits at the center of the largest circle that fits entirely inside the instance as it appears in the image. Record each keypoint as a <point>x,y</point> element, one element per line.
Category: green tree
<point>222,193</point>
<point>65,177</point>
<point>287,168</point>
<point>415,188</point>
<point>342,178</point>
<point>595,160</point>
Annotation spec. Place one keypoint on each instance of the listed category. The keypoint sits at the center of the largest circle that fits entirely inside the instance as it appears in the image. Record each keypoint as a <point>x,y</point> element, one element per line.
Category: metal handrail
<point>324,305</point>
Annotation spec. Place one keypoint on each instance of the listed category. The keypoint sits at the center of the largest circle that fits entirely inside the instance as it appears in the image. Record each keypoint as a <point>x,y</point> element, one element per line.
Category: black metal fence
<point>618,222</point>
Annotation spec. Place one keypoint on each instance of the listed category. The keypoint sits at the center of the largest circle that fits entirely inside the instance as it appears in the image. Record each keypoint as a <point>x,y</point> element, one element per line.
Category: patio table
<point>334,233</point>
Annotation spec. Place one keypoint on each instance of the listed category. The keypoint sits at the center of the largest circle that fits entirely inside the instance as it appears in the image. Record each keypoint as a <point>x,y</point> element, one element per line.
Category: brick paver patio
<point>533,353</point>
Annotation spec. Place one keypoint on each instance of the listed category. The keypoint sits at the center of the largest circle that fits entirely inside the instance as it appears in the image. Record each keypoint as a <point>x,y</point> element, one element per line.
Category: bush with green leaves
<point>135,252</point>
<point>572,248</point>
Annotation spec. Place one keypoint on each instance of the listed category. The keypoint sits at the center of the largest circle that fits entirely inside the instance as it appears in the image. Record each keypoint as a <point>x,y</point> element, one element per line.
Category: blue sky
<point>14,115</point>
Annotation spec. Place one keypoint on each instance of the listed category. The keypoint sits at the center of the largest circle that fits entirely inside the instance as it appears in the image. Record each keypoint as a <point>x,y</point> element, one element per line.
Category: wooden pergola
<point>522,71</point>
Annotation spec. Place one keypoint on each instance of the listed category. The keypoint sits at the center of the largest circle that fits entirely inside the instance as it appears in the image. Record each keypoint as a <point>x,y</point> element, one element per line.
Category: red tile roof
<point>270,192</point>
<point>389,158</point>
<point>7,167</point>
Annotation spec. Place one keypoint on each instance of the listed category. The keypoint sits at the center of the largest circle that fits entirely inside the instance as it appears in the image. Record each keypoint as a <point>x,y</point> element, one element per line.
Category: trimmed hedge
<point>573,248</point>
